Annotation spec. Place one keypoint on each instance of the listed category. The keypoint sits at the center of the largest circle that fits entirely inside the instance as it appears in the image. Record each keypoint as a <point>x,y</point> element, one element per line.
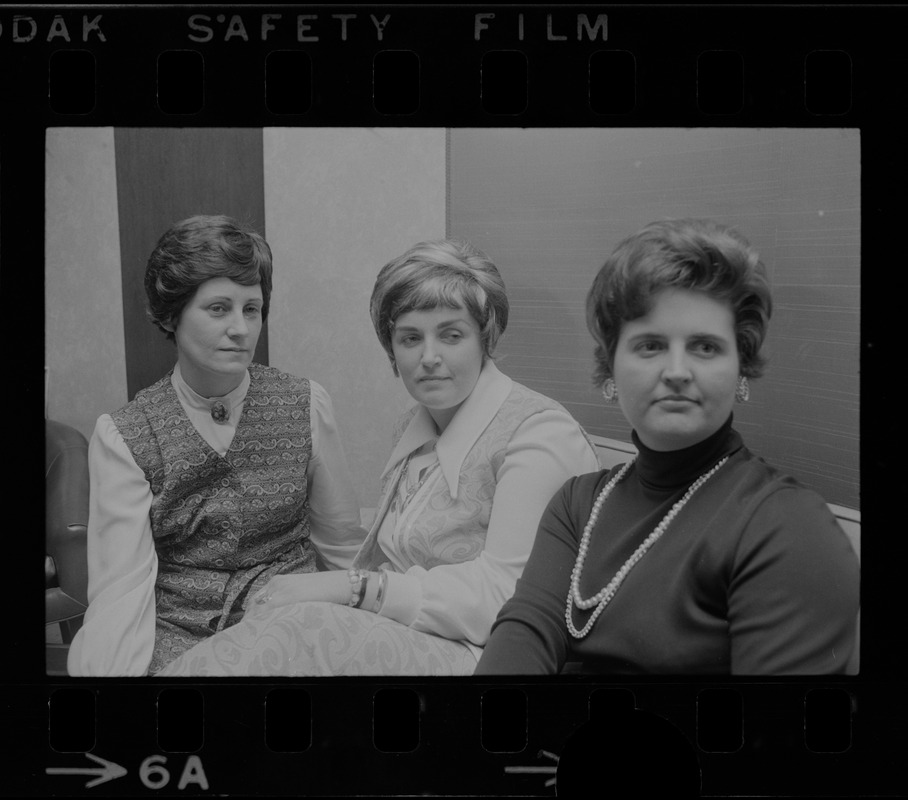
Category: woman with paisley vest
<point>472,467</point>
<point>221,475</point>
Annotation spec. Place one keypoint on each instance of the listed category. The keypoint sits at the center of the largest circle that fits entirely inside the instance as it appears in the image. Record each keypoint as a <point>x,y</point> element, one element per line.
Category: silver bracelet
<point>382,583</point>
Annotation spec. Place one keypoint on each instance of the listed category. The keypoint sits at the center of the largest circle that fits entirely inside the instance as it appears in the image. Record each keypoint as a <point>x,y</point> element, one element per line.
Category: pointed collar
<point>471,419</point>
<point>194,400</point>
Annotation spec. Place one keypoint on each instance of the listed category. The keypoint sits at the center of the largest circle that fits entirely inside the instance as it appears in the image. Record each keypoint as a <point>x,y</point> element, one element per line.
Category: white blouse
<point>117,636</point>
<point>459,600</point>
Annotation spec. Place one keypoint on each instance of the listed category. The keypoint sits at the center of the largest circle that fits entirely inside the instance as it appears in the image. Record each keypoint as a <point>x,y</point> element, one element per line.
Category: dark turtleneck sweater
<point>754,576</point>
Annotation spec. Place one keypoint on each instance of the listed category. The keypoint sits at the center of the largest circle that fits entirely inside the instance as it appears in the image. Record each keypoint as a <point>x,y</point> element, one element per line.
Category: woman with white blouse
<point>473,465</point>
<point>218,477</point>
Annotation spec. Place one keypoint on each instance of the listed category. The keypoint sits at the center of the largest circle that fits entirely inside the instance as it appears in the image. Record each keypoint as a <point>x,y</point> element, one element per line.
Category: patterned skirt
<point>322,639</point>
<point>193,604</point>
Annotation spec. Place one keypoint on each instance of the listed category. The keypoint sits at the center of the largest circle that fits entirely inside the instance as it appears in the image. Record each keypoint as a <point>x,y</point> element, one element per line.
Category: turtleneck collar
<point>670,469</point>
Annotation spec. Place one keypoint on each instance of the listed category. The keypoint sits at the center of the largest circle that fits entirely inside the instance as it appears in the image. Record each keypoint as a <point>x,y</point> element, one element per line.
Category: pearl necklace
<point>604,596</point>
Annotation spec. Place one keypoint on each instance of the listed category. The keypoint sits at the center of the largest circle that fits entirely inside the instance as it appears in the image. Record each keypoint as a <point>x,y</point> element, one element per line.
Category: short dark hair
<point>196,250</point>
<point>695,254</point>
<point>445,272</point>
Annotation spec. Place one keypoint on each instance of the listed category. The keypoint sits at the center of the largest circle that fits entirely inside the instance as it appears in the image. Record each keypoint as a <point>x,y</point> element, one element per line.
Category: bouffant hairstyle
<point>694,254</point>
<point>196,250</point>
<point>449,273</point>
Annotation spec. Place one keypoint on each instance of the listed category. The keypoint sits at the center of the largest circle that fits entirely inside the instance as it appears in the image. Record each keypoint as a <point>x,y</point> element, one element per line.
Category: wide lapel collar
<point>419,430</point>
<point>471,419</point>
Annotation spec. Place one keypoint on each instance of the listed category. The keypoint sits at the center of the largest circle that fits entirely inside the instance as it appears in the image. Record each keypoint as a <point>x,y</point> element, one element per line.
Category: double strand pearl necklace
<point>604,596</point>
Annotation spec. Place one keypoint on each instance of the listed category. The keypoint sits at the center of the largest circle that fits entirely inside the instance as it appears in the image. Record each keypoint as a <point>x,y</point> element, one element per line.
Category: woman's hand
<point>282,590</point>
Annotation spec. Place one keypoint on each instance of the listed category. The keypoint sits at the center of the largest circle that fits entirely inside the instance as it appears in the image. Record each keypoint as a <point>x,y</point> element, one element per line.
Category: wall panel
<point>165,175</point>
<point>550,205</point>
<point>340,203</point>
<point>83,308</point>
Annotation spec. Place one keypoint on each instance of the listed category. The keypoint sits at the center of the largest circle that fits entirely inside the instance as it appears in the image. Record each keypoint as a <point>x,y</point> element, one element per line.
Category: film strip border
<point>451,739</point>
<point>801,66</point>
<point>393,65</point>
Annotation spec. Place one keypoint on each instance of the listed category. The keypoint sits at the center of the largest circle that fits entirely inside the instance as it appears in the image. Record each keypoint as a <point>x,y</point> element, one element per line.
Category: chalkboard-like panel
<point>163,176</point>
<point>549,205</point>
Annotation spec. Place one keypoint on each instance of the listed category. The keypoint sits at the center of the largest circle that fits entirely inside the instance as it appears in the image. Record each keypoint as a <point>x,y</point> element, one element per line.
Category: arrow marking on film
<point>106,772</point>
<point>537,770</point>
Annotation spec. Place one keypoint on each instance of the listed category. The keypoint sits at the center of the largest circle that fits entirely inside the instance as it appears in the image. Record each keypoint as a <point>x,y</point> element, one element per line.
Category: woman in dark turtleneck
<point>697,557</point>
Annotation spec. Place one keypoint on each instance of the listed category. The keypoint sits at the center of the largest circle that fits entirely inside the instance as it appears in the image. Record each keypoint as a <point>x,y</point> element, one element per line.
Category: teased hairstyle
<point>698,255</point>
<point>449,273</point>
<point>196,250</point>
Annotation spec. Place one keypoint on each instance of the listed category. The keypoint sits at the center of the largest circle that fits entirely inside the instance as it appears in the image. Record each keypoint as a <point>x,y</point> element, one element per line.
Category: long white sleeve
<point>460,601</point>
<point>117,636</point>
<point>336,530</point>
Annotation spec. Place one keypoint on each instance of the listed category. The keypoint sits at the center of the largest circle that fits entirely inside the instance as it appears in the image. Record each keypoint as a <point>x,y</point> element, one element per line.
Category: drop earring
<point>742,390</point>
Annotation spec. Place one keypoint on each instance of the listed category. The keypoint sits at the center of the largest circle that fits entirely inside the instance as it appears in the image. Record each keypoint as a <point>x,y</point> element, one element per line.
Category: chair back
<point>850,521</point>
<point>612,452</point>
<point>66,504</point>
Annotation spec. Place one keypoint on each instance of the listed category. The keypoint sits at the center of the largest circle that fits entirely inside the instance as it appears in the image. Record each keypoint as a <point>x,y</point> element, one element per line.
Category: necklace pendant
<point>219,412</point>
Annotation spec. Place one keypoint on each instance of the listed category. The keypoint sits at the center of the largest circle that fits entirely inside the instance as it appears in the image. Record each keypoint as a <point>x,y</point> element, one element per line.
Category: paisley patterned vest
<point>223,525</point>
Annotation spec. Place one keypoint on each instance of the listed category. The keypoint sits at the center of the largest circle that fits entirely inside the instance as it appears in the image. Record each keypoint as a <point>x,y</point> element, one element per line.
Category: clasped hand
<point>282,590</point>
